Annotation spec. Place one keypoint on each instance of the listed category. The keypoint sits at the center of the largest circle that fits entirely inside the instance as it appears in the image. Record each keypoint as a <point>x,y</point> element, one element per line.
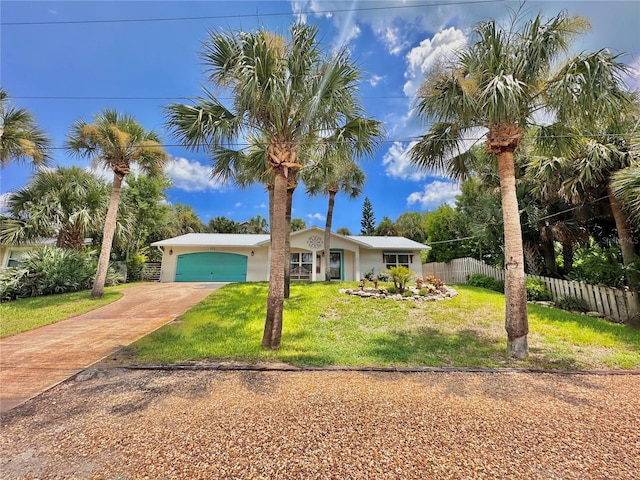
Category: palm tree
<point>292,97</point>
<point>336,175</point>
<point>20,137</point>
<point>256,225</point>
<point>65,203</point>
<point>498,83</point>
<point>625,185</point>
<point>586,172</point>
<point>115,141</point>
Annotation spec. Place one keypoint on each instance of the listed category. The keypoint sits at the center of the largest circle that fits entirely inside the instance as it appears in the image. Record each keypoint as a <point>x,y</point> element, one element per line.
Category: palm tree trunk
<point>567,256</point>
<point>548,252</point>
<point>625,235</point>
<point>275,301</point>
<point>327,237</point>
<point>516,322</point>
<point>287,247</point>
<point>107,237</point>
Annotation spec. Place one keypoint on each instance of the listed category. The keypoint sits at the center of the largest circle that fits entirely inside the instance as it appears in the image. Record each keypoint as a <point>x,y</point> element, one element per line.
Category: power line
<point>397,140</point>
<point>89,97</point>
<point>249,15</point>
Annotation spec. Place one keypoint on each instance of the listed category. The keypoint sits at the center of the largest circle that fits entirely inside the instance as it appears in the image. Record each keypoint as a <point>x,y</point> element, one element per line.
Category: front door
<point>335,265</point>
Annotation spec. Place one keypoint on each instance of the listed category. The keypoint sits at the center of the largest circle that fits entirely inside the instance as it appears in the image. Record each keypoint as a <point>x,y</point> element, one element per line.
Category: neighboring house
<point>10,254</point>
<point>221,257</point>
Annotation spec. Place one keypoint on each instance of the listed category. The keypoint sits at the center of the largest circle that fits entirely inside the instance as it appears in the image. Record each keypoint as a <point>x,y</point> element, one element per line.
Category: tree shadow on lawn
<point>622,333</point>
<point>430,347</point>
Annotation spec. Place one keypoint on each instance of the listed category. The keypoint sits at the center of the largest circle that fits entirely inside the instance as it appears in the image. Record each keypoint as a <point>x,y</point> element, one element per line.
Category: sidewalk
<point>34,361</point>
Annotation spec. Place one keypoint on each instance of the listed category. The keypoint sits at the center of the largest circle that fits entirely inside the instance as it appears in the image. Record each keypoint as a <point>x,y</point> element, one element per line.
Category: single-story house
<point>223,257</point>
<point>10,254</point>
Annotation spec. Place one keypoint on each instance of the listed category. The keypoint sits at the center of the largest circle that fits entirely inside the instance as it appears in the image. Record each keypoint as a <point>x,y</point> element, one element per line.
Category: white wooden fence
<point>617,304</point>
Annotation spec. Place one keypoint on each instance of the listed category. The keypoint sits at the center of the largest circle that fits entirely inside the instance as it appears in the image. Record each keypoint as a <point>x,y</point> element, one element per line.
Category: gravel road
<point>121,424</point>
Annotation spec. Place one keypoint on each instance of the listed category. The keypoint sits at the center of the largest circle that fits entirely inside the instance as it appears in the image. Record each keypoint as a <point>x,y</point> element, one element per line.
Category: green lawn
<point>324,327</point>
<point>28,313</point>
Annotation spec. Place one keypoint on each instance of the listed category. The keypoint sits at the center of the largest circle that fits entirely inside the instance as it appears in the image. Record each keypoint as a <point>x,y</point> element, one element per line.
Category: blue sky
<point>137,67</point>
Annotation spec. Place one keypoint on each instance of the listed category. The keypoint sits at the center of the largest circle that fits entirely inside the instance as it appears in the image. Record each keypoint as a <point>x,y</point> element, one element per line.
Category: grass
<point>26,314</point>
<point>325,327</point>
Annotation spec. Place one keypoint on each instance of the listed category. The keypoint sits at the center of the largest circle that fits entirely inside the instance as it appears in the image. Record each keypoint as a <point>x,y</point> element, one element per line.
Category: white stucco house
<point>220,257</point>
<point>10,254</point>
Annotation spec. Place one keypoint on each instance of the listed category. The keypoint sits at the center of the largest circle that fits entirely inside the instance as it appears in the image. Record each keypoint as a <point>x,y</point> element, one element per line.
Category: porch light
<point>252,253</point>
<point>171,251</point>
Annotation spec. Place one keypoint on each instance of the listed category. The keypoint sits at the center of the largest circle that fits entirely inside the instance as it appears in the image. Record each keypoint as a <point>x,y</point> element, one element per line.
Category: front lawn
<point>324,327</point>
<point>28,313</point>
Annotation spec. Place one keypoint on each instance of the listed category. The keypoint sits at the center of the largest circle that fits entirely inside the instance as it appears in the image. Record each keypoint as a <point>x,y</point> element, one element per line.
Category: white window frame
<point>397,261</point>
<point>13,259</point>
<point>297,264</point>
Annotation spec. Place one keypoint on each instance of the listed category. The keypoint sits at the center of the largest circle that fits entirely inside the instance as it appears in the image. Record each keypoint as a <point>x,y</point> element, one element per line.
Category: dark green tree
<point>298,224</point>
<point>386,228</point>
<point>368,222</point>
<point>224,225</point>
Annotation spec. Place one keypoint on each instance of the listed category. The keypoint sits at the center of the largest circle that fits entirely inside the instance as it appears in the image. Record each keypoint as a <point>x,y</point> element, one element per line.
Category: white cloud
<point>4,202</point>
<point>396,163</point>
<point>434,194</point>
<point>393,40</point>
<point>316,216</point>
<point>633,76</point>
<point>421,58</point>
<point>262,205</point>
<point>238,204</point>
<point>374,80</point>
<point>191,176</point>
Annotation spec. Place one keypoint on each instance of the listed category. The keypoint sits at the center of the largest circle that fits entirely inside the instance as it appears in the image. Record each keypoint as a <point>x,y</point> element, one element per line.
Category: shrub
<point>484,281</point>
<point>383,277</point>
<point>392,290</point>
<point>599,266</point>
<point>407,293</point>
<point>536,290</point>
<point>433,280</point>
<point>49,270</point>
<point>135,265</point>
<point>573,304</point>
<point>423,293</point>
<point>400,276</point>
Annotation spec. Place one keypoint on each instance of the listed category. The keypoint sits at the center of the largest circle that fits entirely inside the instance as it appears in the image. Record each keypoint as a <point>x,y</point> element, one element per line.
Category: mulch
<point>214,423</point>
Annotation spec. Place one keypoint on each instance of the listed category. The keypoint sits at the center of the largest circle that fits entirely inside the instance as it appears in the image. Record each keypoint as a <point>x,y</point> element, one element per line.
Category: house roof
<point>389,243</point>
<point>255,240</point>
<point>214,239</point>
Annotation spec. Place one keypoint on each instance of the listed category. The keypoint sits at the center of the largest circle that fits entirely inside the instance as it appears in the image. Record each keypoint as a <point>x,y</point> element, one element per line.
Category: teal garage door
<point>211,267</point>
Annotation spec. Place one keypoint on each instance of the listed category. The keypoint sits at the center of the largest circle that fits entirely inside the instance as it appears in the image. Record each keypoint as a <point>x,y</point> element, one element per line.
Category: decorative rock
<point>595,315</point>
<point>444,293</point>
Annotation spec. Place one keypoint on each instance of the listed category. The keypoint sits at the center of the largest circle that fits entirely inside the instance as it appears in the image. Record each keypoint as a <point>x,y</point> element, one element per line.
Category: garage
<point>211,267</point>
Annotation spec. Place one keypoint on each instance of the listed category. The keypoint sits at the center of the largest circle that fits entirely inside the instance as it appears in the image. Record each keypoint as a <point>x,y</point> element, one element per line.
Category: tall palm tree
<point>498,83</point>
<point>333,176</point>
<point>115,141</point>
<point>20,137</point>
<point>587,171</point>
<point>625,185</point>
<point>65,203</point>
<point>289,94</point>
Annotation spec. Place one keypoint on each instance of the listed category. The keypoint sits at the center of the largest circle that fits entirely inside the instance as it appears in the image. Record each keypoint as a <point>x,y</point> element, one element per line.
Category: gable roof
<point>395,243</point>
<point>217,239</point>
<point>257,240</point>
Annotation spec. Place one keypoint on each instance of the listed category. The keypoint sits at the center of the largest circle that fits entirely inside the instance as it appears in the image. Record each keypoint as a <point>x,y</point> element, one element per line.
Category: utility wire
<point>250,15</point>
<point>398,140</point>
<point>72,97</point>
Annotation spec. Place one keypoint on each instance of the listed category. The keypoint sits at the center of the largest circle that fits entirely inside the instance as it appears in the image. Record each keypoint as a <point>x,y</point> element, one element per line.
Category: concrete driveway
<point>34,361</point>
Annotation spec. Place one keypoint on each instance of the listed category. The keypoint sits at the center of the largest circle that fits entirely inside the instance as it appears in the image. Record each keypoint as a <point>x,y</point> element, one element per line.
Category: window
<point>301,266</point>
<point>397,259</point>
<point>14,258</point>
